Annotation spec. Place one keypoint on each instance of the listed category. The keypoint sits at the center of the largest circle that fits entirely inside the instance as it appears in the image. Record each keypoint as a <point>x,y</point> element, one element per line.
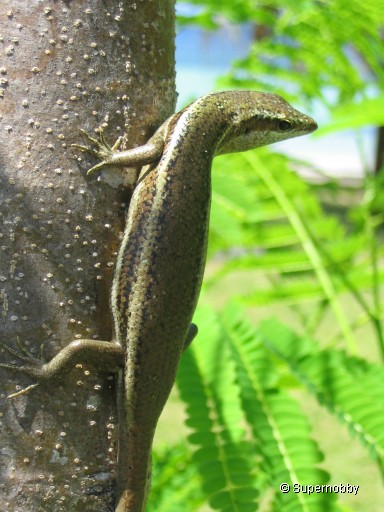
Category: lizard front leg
<point>111,157</point>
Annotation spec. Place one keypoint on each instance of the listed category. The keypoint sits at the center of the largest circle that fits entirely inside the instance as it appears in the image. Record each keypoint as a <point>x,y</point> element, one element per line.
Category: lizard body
<point>160,264</point>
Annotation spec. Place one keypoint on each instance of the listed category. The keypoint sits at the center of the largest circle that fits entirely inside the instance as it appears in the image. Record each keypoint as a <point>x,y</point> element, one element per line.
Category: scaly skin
<point>160,265</point>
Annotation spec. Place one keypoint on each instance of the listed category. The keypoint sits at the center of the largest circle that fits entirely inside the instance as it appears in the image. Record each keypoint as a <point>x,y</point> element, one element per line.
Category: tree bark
<point>66,65</point>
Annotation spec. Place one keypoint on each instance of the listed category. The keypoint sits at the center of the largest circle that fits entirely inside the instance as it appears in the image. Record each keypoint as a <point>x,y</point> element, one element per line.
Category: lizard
<point>161,260</point>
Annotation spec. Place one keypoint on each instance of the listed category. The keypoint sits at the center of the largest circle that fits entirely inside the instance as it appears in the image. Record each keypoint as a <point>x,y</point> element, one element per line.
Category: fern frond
<point>229,375</point>
<point>206,382</point>
<point>282,232</point>
<point>292,211</point>
<point>305,289</point>
<point>175,484</point>
<point>349,387</point>
<point>279,427</point>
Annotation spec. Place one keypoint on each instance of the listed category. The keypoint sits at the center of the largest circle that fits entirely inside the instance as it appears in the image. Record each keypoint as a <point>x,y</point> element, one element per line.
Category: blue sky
<point>201,57</point>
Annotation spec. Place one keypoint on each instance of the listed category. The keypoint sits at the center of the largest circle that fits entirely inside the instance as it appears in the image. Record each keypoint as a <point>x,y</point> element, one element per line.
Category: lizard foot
<point>32,367</point>
<point>101,149</point>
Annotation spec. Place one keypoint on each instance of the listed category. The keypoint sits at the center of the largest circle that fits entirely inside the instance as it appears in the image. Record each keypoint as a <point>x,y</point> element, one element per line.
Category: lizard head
<point>256,119</point>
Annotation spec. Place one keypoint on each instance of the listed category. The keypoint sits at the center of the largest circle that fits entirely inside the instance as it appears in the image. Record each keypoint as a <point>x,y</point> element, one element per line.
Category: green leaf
<point>307,240</point>
<point>207,385</point>
<point>175,482</point>
<point>367,112</point>
<point>234,379</point>
<point>278,426</point>
<point>349,387</point>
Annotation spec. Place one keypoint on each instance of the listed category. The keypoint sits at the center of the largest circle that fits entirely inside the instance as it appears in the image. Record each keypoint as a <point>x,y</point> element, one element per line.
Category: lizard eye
<point>285,126</point>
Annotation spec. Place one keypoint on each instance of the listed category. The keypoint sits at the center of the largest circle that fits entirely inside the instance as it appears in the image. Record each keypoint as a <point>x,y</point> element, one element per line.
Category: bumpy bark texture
<point>66,65</point>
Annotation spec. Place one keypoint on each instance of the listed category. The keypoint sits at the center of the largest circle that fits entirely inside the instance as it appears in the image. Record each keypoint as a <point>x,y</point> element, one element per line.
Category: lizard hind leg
<point>105,356</point>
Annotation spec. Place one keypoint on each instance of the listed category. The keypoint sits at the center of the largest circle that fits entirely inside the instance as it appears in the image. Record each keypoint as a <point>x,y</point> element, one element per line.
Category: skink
<point>160,264</point>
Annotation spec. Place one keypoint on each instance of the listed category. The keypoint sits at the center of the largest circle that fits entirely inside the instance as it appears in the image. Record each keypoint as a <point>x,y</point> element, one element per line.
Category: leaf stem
<point>308,244</point>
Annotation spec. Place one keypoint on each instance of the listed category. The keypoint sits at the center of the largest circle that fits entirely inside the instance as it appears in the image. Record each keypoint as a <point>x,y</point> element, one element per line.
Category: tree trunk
<point>66,65</point>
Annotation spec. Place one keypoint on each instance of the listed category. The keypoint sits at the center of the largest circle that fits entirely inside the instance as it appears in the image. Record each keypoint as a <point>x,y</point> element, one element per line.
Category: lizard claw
<point>101,149</point>
<point>23,391</point>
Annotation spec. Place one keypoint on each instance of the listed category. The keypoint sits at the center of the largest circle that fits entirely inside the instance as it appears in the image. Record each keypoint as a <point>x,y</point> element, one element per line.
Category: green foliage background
<point>245,378</point>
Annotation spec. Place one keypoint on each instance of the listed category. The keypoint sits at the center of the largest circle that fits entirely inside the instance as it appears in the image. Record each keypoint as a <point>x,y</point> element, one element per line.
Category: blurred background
<point>204,56</point>
<point>285,381</point>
